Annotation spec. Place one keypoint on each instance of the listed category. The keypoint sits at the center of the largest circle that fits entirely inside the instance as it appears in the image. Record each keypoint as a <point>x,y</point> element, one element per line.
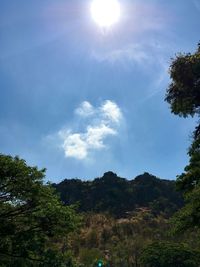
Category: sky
<point>80,100</point>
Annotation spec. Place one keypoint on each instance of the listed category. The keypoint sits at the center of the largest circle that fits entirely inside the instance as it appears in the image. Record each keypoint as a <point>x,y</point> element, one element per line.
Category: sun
<point>105,12</point>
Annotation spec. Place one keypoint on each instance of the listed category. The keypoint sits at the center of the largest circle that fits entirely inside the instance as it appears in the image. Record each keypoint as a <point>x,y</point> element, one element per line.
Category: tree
<point>189,182</point>
<point>169,254</point>
<point>34,224</point>
<point>183,95</point>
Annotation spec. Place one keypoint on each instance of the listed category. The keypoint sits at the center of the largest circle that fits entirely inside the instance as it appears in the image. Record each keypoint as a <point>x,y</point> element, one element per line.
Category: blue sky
<point>81,100</point>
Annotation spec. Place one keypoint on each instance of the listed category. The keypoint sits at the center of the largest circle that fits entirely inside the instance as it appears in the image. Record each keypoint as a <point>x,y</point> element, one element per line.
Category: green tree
<point>169,254</point>
<point>183,95</point>
<point>34,224</point>
<point>189,183</point>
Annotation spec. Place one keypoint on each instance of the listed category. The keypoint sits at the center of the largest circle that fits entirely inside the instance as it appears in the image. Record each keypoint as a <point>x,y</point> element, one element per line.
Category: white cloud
<point>85,109</point>
<point>104,121</point>
<point>111,111</point>
<point>75,146</point>
<point>95,135</point>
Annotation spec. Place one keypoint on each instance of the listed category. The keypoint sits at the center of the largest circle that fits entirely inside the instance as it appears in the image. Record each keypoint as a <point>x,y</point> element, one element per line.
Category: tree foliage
<point>183,93</point>
<point>189,183</point>
<point>165,254</point>
<point>34,224</point>
<point>118,242</point>
<point>118,196</point>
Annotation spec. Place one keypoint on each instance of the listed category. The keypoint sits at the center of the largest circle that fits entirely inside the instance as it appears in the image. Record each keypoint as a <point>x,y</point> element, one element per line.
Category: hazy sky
<point>81,100</point>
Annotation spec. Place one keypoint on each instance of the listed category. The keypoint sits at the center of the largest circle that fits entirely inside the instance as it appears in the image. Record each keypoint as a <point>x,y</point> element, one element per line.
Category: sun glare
<point>105,12</point>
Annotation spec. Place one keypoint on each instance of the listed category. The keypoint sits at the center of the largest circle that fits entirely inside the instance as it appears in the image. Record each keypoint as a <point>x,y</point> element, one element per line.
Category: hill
<point>119,196</point>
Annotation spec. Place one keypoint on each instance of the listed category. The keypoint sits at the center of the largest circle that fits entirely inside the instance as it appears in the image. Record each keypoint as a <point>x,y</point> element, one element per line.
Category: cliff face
<point>118,196</point>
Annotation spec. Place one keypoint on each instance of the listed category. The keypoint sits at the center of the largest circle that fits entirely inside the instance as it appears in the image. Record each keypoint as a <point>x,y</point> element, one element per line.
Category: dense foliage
<point>33,222</point>
<point>183,93</point>
<point>121,242</point>
<point>165,254</point>
<point>118,242</point>
<point>119,196</point>
<point>35,227</point>
<point>184,97</point>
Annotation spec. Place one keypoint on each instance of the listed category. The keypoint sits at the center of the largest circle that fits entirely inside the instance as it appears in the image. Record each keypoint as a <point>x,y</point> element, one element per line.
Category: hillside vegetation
<point>119,196</point>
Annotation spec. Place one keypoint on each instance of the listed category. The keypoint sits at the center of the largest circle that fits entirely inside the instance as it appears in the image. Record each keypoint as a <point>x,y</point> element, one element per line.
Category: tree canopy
<point>160,254</point>
<point>183,93</point>
<point>34,224</point>
<point>118,196</point>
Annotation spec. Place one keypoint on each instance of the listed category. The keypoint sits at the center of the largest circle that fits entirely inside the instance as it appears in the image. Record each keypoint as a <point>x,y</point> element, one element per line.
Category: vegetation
<point>118,196</point>
<point>183,95</point>
<point>37,230</point>
<point>129,242</point>
<point>118,242</point>
<point>34,224</point>
<point>165,254</point>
